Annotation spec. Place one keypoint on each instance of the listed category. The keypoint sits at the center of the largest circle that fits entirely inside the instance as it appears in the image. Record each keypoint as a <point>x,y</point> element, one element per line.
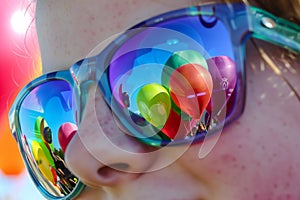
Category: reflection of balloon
<point>176,126</point>
<point>179,59</point>
<point>65,134</point>
<point>154,103</point>
<point>38,126</point>
<point>223,72</point>
<point>44,161</point>
<point>43,132</point>
<point>191,87</point>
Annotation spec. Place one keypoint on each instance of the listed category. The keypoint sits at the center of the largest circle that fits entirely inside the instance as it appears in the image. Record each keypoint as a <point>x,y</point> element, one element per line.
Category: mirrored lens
<point>174,80</point>
<point>47,122</point>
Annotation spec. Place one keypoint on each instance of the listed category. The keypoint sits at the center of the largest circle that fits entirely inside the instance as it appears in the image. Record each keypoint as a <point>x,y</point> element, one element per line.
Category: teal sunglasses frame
<point>242,22</point>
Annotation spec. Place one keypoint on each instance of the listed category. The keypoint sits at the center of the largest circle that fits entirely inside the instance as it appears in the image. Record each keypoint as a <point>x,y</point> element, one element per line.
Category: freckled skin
<point>256,157</point>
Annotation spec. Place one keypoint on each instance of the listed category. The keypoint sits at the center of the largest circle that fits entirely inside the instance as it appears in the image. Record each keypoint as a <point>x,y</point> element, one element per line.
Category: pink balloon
<point>65,134</point>
<point>191,87</point>
<point>223,72</point>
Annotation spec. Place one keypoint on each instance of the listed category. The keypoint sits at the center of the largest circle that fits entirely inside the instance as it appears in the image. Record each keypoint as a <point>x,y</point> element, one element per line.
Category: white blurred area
<point>18,188</point>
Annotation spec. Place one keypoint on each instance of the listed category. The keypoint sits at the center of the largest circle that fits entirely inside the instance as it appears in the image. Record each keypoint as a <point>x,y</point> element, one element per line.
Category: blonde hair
<point>288,9</point>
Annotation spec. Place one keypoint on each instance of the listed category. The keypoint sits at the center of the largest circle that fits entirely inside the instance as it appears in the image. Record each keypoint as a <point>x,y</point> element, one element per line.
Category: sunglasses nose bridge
<point>84,70</point>
<point>81,97</point>
<point>84,75</point>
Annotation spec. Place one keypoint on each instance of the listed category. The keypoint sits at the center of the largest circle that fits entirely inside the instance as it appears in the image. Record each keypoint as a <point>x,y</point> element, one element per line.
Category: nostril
<point>114,168</point>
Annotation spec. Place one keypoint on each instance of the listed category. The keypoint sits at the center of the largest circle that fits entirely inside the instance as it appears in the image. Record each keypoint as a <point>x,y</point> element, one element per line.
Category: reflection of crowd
<point>62,177</point>
<point>34,164</point>
<point>66,180</point>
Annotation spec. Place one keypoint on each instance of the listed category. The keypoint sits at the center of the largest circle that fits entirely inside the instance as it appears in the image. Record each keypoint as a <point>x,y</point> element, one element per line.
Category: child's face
<point>256,157</point>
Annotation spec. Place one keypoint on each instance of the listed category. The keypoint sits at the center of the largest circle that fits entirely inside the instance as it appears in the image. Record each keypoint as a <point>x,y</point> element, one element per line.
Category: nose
<point>100,153</point>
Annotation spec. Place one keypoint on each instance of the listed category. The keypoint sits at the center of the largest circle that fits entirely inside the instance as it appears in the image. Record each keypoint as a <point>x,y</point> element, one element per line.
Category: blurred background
<point>19,64</point>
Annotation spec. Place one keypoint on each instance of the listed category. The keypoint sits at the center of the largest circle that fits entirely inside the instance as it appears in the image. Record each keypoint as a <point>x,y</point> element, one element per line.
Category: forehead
<point>69,30</point>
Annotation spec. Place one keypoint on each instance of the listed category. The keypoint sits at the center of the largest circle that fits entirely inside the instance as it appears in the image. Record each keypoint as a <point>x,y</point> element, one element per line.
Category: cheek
<point>257,155</point>
<point>262,145</point>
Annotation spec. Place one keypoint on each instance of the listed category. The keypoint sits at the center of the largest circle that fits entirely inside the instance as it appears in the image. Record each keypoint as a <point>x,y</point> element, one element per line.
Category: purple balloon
<point>223,72</point>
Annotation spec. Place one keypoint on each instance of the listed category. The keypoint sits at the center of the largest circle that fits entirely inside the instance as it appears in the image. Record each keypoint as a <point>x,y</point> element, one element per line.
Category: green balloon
<point>179,59</point>
<point>41,123</point>
<point>37,126</point>
<point>154,104</point>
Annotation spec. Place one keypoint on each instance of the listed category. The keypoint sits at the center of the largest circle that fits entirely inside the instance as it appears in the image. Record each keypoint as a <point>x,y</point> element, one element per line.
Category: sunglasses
<point>170,80</point>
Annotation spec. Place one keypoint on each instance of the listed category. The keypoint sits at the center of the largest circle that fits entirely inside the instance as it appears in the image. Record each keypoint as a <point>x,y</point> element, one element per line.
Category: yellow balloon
<point>43,161</point>
<point>154,104</point>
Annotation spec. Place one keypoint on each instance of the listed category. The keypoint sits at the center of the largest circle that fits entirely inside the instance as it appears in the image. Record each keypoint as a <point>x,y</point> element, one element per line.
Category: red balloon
<point>177,127</point>
<point>191,88</point>
<point>65,134</point>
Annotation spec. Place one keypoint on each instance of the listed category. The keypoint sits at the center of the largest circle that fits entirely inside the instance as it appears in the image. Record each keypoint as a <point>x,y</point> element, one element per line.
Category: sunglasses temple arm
<point>268,27</point>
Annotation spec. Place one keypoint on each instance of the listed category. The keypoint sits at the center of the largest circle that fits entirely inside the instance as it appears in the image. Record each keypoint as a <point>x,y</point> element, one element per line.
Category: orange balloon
<point>11,162</point>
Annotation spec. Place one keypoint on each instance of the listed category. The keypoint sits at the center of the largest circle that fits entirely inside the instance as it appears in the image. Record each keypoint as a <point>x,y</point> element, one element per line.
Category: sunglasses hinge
<point>207,10</point>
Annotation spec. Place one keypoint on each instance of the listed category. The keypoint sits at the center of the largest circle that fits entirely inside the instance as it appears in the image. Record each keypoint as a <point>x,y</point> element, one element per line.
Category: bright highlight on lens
<point>20,21</point>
